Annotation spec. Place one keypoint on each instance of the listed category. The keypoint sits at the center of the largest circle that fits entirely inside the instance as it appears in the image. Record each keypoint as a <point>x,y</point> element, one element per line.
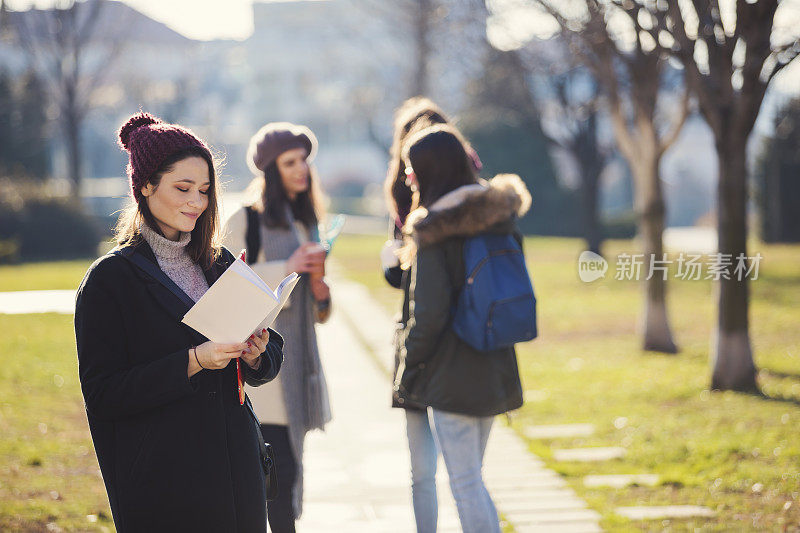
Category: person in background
<point>413,115</point>
<point>463,387</point>
<point>177,449</point>
<point>279,229</point>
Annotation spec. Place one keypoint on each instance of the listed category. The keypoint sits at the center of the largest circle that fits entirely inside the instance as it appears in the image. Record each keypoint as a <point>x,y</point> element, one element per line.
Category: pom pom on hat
<point>136,121</point>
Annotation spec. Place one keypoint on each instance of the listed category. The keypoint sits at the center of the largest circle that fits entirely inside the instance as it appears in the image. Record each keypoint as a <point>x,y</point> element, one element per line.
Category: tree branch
<point>683,50</point>
<point>790,53</point>
<point>669,138</point>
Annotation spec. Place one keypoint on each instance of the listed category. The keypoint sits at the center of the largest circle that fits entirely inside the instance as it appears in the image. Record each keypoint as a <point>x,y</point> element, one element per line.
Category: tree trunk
<point>592,233</point>
<point>732,352</point>
<point>422,22</point>
<point>591,166</point>
<point>651,211</point>
<point>72,138</point>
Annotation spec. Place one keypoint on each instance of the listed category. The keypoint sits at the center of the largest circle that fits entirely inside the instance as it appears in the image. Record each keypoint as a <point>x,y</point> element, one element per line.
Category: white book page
<point>287,284</point>
<point>231,309</point>
<point>284,290</point>
<point>248,273</point>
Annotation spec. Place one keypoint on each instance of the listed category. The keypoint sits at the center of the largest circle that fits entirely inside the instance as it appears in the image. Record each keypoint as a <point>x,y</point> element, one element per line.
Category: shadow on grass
<point>779,399</point>
<point>779,374</point>
<point>761,395</point>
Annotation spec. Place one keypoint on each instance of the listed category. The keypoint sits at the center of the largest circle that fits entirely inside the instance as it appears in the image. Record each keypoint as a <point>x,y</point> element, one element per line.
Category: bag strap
<point>156,273</point>
<point>252,235</point>
<point>265,451</point>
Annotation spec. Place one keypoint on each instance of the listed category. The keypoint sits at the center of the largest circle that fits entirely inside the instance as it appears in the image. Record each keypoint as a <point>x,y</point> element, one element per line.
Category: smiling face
<point>293,168</point>
<point>180,197</point>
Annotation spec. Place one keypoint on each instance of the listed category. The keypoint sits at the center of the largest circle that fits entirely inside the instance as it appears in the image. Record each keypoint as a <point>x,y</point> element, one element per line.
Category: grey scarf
<point>305,392</point>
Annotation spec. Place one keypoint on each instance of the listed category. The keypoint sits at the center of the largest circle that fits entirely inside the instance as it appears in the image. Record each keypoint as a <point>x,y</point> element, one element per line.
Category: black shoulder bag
<point>252,236</point>
<point>266,452</point>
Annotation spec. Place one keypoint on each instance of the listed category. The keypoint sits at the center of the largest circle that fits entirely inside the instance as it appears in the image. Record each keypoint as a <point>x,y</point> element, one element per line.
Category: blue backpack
<point>496,306</point>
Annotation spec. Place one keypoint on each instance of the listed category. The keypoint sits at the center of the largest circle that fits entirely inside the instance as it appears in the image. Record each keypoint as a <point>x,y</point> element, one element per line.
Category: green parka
<point>436,368</point>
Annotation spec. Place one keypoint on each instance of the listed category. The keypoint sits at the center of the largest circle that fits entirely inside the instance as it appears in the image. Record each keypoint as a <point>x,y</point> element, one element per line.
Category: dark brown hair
<point>204,247</point>
<point>440,162</point>
<point>272,203</point>
<point>413,115</point>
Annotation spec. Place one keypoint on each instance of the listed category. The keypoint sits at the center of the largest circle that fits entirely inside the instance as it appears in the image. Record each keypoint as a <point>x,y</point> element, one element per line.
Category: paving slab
<point>589,526</point>
<point>530,494</point>
<point>564,517</point>
<point>559,431</point>
<point>24,302</point>
<point>522,483</point>
<point>560,503</point>
<point>589,454</point>
<point>664,511</point>
<point>620,481</point>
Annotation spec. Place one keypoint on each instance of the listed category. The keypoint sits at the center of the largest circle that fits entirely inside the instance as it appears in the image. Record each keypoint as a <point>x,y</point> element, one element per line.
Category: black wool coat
<point>176,453</point>
<point>435,367</point>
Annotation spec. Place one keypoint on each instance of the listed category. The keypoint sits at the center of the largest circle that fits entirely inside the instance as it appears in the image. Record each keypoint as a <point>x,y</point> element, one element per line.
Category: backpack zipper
<point>490,314</point>
<point>494,253</point>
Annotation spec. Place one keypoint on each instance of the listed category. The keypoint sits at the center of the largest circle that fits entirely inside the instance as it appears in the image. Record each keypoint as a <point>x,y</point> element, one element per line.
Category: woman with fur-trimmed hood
<point>464,387</point>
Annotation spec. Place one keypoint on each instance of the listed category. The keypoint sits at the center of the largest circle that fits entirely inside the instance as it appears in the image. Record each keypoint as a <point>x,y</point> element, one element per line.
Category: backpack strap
<point>252,235</point>
<point>155,272</point>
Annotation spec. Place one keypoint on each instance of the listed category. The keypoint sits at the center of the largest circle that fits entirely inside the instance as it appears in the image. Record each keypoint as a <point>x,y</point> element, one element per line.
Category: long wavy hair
<point>205,244</point>
<point>413,115</point>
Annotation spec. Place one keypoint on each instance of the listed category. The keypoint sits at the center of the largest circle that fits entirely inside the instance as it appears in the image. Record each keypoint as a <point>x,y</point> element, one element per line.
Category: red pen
<point>239,373</point>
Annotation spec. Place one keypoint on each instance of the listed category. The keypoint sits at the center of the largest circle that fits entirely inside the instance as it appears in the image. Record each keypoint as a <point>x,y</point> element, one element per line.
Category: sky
<point>196,19</point>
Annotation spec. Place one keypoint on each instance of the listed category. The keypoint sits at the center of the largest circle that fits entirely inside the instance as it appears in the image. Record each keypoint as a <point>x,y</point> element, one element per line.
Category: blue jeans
<point>424,454</point>
<point>462,439</point>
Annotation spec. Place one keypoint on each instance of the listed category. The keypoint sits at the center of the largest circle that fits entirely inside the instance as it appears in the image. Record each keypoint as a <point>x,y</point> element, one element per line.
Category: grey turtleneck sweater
<point>174,260</point>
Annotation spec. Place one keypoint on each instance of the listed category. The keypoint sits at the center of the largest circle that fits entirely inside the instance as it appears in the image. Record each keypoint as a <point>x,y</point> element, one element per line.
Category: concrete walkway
<point>357,471</point>
<point>531,497</point>
<point>24,302</point>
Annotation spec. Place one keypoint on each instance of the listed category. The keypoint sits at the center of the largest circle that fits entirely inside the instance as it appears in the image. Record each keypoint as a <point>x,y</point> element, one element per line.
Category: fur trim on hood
<point>464,212</point>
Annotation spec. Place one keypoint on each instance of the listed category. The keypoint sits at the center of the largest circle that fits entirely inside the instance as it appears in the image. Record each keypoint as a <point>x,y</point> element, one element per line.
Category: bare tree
<point>60,45</point>
<point>630,71</point>
<point>730,57</point>
<point>570,124</point>
<point>3,17</point>
<point>413,21</point>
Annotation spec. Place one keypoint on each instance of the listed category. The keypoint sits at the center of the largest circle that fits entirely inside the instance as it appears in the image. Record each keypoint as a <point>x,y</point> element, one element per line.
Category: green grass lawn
<point>48,470</point>
<point>42,276</point>
<point>737,454</point>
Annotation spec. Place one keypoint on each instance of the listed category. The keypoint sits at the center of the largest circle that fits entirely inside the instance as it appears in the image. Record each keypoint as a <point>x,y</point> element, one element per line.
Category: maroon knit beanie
<point>275,138</point>
<point>149,141</point>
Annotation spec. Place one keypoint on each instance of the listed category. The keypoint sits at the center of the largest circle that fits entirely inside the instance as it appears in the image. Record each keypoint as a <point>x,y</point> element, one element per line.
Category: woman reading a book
<point>279,229</point>
<point>177,449</point>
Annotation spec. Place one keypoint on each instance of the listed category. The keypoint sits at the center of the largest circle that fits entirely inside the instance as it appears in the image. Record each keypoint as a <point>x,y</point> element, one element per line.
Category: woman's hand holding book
<point>256,344</point>
<point>216,355</point>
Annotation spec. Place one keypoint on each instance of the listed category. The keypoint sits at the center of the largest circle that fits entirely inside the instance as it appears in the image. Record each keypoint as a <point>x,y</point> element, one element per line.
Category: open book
<point>238,304</point>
